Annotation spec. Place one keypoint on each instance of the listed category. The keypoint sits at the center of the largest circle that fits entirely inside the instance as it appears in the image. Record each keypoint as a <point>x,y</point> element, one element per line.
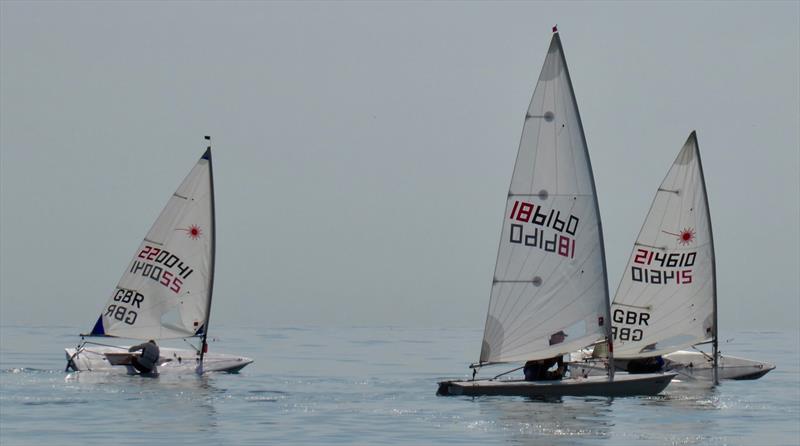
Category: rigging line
<point>506,373</point>
<point>70,363</point>
<point>104,345</point>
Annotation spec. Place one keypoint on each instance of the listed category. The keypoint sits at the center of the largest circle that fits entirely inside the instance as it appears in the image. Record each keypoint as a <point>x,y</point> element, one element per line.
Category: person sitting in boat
<point>540,370</point>
<point>146,362</point>
<point>651,364</point>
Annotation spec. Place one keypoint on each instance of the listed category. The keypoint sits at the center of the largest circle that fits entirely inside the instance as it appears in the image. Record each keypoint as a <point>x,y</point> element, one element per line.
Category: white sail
<point>165,290</point>
<point>549,294</point>
<point>665,300</point>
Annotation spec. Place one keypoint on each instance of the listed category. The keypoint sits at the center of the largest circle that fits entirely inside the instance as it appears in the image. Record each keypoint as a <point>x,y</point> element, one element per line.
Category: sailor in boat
<point>146,362</point>
<point>540,370</point>
<point>651,364</point>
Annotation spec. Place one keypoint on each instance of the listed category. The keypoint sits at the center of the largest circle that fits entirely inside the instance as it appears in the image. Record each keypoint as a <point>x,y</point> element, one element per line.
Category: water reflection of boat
<point>551,420</point>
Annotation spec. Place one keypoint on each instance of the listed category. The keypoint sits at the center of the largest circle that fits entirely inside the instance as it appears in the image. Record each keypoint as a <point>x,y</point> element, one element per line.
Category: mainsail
<point>666,299</point>
<point>550,293</point>
<point>165,291</point>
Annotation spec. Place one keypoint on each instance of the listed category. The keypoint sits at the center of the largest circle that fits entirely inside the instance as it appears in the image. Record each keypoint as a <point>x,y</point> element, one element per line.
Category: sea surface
<point>370,386</point>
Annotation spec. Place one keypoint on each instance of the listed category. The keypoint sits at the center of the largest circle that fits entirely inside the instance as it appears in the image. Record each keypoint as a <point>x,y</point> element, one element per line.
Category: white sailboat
<point>165,292</point>
<point>549,295</point>
<point>667,298</point>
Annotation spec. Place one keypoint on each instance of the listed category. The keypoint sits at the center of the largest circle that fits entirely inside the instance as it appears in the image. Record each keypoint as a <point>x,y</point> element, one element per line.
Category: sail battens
<point>165,290</point>
<point>515,281</point>
<point>514,194</point>
<point>665,300</point>
<point>548,294</point>
<point>646,307</point>
<point>662,248</point>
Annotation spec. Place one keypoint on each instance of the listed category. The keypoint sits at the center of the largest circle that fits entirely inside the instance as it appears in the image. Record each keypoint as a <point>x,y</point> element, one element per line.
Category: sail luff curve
<point>549,294</point>
<point>666,299</point>
<point>165,290</point>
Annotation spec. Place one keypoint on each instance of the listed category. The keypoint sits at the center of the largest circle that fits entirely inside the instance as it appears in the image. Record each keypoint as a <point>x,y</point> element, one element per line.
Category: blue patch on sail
<point>207,155</point>
<point>98,328</point>
<point>200,331</point>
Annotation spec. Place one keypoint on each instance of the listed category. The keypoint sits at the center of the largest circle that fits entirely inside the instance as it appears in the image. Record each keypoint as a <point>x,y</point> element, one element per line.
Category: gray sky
<point>363,150</point>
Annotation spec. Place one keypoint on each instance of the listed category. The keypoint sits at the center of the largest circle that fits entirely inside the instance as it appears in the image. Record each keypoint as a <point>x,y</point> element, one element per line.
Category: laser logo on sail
<point>194,232</point>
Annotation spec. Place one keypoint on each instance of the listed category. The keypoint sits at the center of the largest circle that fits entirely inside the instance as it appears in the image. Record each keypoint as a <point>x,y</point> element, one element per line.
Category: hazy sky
<point>363,151</point>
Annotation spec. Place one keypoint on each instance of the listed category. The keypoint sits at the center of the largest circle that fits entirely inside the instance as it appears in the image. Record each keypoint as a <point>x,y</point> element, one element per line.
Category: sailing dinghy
<point>549,295</point>
<point>165,291</point>
<point>667,298</point>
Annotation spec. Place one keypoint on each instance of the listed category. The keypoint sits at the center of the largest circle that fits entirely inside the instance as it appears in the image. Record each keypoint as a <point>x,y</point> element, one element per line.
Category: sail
<point>665,300</point>
<point>549,294</point>
<point>165,290</point>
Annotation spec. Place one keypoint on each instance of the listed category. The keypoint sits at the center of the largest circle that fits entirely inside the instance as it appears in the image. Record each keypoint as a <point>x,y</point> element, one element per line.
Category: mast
<point>607,321</point>
<point>715,342</point>
<point>207,156</point>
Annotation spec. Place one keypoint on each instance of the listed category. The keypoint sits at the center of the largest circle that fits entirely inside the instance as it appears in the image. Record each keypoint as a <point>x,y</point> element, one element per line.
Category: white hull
<point>172,360</point>
<point>623,385</point>
<point>689,365</point>
<point>695,365</point>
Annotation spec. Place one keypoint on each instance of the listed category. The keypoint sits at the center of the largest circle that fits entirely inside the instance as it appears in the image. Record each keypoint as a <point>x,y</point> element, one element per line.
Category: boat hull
<point>172,360</point>
<point>627,385</point>
<point>695,365</point>
<point>689,365</point>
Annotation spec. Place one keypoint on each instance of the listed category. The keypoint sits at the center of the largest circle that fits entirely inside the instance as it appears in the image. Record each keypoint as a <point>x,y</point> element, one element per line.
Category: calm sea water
<point>370,385</point>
